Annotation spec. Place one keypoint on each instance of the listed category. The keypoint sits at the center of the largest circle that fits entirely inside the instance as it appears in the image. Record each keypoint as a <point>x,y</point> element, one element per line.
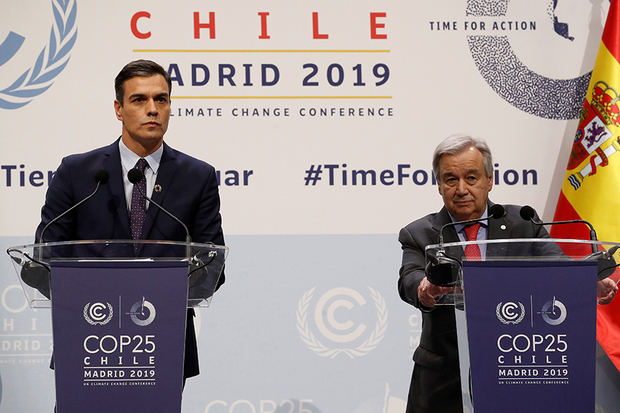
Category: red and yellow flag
<point>591,186</point>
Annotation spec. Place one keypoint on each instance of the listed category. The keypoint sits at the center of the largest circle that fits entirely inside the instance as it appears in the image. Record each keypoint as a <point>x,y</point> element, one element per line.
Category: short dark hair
<point>141,67</point>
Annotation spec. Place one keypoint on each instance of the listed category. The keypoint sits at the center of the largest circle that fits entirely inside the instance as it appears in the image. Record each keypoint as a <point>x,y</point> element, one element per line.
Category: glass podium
<point>525,319</point>
<point>120,313</point>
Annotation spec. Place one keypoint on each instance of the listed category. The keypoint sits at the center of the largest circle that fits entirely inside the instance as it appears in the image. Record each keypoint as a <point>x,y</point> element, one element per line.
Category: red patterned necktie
<point>472,251</point>
<point>138,203</point>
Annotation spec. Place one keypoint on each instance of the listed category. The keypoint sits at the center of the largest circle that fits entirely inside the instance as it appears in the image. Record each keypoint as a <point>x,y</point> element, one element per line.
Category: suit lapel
<point>439,220</point>
<point>497,229</point>
<point>165,177</point>
<point>112,164</point>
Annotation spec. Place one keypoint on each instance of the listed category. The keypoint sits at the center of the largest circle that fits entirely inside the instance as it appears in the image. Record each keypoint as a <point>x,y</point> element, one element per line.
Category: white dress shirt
<point>128,162</point>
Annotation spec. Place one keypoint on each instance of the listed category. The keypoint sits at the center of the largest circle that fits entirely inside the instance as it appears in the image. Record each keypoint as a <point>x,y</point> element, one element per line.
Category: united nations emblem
<point>50,62</point>
<point>98,313</point>
<point>510,313</point>
<point>347,337</point>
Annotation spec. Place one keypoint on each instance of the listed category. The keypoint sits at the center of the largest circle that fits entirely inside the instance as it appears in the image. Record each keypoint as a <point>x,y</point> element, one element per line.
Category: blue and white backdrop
<point>321,119</point>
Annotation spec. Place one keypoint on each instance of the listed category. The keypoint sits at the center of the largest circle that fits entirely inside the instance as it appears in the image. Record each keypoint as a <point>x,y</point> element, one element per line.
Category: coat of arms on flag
<point>594,140</point>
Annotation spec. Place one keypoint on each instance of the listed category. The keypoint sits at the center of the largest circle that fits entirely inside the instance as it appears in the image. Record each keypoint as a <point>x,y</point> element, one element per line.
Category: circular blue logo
<point>50,62</point>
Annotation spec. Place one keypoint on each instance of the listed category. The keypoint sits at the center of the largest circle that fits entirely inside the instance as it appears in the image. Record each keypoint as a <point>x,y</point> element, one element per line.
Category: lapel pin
<point>157,188</point>
<point>502,227</point>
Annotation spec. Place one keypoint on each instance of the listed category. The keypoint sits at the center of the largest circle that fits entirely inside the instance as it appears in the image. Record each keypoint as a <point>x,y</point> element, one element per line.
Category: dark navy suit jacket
<point>189,191</point>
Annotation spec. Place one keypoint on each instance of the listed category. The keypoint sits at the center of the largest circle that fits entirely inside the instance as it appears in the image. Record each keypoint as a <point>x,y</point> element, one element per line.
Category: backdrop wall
<point>321,120</point>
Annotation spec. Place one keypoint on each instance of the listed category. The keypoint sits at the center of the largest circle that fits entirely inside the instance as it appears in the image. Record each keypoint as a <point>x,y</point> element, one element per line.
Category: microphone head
<point>134,175</point>
<point>36,276</point>
<point>527,212</point>
<point>612,250</point>
<point>496,211</point>
<point>442,270</point>
<point>101,176</point>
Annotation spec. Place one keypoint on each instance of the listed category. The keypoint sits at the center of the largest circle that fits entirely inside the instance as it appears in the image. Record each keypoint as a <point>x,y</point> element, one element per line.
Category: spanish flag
<point>591,186</point>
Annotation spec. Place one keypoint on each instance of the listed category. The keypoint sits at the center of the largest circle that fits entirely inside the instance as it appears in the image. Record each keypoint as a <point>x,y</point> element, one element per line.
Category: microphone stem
<point>469,221</point>
<point>188,238</point>
<point>576,221</point>
<point>40,250</point>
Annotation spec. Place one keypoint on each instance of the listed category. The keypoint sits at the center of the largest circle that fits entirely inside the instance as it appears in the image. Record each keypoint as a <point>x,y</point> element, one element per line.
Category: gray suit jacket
<point>438,344</point>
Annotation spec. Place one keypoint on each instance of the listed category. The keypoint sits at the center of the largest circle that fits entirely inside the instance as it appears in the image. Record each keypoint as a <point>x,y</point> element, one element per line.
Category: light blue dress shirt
<point>482,233</point>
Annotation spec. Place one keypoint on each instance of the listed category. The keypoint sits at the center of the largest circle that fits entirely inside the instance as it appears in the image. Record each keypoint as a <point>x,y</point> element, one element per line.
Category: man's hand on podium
<point>428,292</point>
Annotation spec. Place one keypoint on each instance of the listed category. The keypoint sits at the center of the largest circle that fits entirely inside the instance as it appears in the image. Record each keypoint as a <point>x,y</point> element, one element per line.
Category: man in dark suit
<point>185,186</point>
<point>464,170</point>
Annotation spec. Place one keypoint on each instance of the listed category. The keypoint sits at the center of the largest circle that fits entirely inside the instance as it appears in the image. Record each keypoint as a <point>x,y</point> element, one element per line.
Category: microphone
<point>134,175</point>
<point>36,275</point>
<point>606,262</point>
<point>528,214</point>
<point>442,269</point>
<point>495,211</point>
<point>34,272</point>
<point>101,177</point>
<point>197,269</point>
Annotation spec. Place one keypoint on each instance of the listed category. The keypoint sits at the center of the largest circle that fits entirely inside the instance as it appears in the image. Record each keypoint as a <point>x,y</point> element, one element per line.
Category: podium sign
<point>119,335</point>
<point>531,335</point>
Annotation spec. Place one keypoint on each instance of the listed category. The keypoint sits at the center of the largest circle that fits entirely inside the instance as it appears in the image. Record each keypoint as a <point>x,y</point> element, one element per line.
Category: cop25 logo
<point>554,312</point>
<point>142,312</point>
<point>50,62</point>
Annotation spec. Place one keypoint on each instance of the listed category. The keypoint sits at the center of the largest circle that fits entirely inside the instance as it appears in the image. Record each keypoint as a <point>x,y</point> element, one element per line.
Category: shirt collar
<point>129,158</point>
<point>459,227</point>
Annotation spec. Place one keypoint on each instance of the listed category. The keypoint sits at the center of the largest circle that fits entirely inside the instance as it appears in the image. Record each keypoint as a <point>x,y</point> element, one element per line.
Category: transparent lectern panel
<point>32,263</point>
<point>444,261</point>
